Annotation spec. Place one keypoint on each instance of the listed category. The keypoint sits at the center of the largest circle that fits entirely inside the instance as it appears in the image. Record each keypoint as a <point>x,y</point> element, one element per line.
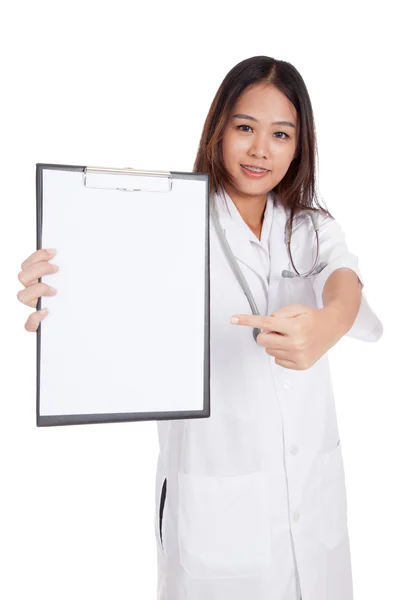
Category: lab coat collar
<point>240,237</point>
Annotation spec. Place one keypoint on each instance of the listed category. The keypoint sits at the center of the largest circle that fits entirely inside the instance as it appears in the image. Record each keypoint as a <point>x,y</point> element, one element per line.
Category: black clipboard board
<point>127,336</point>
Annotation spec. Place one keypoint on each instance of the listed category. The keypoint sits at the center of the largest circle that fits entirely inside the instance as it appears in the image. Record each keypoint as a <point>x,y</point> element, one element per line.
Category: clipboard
<point>127,336</point>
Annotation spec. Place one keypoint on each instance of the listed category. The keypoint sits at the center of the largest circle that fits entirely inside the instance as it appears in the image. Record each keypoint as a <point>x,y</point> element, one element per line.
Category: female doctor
<point>251,502</point>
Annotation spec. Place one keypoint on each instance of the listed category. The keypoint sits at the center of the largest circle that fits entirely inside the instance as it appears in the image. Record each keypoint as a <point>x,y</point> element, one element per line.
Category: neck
<point>251,208</point>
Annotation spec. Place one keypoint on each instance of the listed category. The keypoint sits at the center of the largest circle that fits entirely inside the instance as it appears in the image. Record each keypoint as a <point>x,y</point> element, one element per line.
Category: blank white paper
<point>125,331</point>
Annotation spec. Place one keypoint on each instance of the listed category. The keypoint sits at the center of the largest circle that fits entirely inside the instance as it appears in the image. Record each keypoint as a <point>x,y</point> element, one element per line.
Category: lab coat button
<point>286,383</point>
<point>296,516</point>
<point>294,450</point>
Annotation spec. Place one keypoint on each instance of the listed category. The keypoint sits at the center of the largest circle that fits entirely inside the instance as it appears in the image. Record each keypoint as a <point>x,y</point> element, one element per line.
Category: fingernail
<point>234,320</point>
<point>53,289</point>
<point>51,251</point>
<point>43,311</point>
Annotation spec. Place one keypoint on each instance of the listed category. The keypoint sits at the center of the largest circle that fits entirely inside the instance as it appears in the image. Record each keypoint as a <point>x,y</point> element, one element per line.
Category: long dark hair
<point>297,190</point>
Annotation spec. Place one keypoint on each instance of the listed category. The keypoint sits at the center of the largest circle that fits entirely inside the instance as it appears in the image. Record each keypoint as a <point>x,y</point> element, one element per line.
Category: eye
<point>280,138</point>
<point>239,126</point>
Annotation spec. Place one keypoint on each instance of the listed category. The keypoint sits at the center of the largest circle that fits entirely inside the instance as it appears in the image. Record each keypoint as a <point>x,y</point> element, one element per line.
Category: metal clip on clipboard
<point>115,179</point>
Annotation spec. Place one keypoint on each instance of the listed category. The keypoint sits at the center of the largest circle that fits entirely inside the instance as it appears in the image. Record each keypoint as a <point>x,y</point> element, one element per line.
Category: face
<point>256,140</point>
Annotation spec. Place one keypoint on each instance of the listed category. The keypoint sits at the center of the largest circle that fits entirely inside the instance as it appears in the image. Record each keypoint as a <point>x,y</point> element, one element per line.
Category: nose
<point>259,148</point>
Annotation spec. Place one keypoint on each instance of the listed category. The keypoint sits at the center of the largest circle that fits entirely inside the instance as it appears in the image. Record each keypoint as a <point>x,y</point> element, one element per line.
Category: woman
<point>251,502</point>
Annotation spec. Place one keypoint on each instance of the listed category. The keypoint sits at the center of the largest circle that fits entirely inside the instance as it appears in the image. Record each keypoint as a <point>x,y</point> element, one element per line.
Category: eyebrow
<point>243,116</point>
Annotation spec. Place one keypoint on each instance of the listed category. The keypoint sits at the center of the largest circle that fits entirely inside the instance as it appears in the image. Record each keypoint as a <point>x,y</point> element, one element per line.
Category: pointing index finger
<point>262,321</point>
<point>252,320</point>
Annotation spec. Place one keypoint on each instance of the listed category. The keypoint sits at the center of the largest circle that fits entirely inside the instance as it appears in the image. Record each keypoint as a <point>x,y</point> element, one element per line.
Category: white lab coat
<point>255,505</point>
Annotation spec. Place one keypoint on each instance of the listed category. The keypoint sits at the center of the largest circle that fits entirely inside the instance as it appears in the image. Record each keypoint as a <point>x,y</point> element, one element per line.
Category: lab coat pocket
<point>333,497</point>
<point>223,525</point>
<point>301,291</point>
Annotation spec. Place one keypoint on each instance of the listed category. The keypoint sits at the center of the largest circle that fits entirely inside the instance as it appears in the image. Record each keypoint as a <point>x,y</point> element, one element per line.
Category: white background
<point>120,84</point>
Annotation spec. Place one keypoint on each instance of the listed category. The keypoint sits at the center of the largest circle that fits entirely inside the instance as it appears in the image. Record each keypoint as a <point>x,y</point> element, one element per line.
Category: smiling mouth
<point>254,169</point>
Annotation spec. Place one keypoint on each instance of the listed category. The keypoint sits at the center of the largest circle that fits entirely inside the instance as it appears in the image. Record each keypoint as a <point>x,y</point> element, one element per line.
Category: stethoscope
<point>285,273</point>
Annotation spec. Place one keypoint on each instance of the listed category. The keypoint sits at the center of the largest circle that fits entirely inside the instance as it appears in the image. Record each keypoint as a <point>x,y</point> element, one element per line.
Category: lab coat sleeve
<point>334,251</point>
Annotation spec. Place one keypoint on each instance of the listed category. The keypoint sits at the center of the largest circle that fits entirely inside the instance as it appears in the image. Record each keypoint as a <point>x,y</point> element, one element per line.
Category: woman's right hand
<point>35,266</point>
